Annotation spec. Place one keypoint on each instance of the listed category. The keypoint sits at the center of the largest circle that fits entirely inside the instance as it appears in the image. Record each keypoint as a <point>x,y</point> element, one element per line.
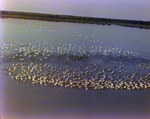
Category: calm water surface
<point>80,47</point>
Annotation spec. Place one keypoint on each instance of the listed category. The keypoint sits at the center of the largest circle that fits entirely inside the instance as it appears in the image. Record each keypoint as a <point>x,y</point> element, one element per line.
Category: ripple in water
<point>76,66</point>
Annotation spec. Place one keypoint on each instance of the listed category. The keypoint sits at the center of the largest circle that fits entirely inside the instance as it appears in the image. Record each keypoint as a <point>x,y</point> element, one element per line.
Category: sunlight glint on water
<point>76,61</point>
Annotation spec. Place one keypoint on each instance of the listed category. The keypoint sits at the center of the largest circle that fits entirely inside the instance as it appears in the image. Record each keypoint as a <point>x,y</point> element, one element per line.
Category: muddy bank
<point>75,19</point>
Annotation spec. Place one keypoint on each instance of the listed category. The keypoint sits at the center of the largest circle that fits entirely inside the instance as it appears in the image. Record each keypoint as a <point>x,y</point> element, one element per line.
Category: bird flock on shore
<point>75,66</point>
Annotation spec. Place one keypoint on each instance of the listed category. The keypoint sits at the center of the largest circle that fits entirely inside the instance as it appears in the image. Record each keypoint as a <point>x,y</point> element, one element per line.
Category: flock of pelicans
<point>72,66</point>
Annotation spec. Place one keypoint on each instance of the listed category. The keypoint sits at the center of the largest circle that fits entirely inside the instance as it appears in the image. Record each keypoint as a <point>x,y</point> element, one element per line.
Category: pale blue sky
<point>122,9</point>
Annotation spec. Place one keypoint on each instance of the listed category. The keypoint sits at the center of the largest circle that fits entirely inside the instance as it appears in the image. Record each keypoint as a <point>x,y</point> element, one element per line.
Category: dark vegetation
<point>75,19</point>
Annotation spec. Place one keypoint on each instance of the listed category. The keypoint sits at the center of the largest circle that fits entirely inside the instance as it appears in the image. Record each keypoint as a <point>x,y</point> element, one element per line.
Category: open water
<point>67,70</point>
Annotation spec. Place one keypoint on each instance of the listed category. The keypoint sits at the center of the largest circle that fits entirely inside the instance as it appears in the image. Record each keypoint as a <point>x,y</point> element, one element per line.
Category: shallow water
<point>82,48</point>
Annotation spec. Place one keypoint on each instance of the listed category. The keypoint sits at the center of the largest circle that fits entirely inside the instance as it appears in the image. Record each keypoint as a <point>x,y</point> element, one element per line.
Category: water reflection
<point>76,65</point>
<point>65,67</point>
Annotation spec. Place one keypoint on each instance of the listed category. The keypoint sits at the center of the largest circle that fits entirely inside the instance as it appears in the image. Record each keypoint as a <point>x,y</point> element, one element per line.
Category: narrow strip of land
<point>75,19</point>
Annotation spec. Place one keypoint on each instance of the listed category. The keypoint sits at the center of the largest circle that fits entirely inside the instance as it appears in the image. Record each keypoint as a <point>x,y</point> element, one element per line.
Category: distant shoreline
<point>75,19</point>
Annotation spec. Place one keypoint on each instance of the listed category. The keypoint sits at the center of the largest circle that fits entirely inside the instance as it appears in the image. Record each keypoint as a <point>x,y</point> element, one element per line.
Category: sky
<point>122,9</point>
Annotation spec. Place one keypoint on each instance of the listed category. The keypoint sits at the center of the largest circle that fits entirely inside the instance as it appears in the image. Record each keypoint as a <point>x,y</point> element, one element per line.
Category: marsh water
<point>77,46</point>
